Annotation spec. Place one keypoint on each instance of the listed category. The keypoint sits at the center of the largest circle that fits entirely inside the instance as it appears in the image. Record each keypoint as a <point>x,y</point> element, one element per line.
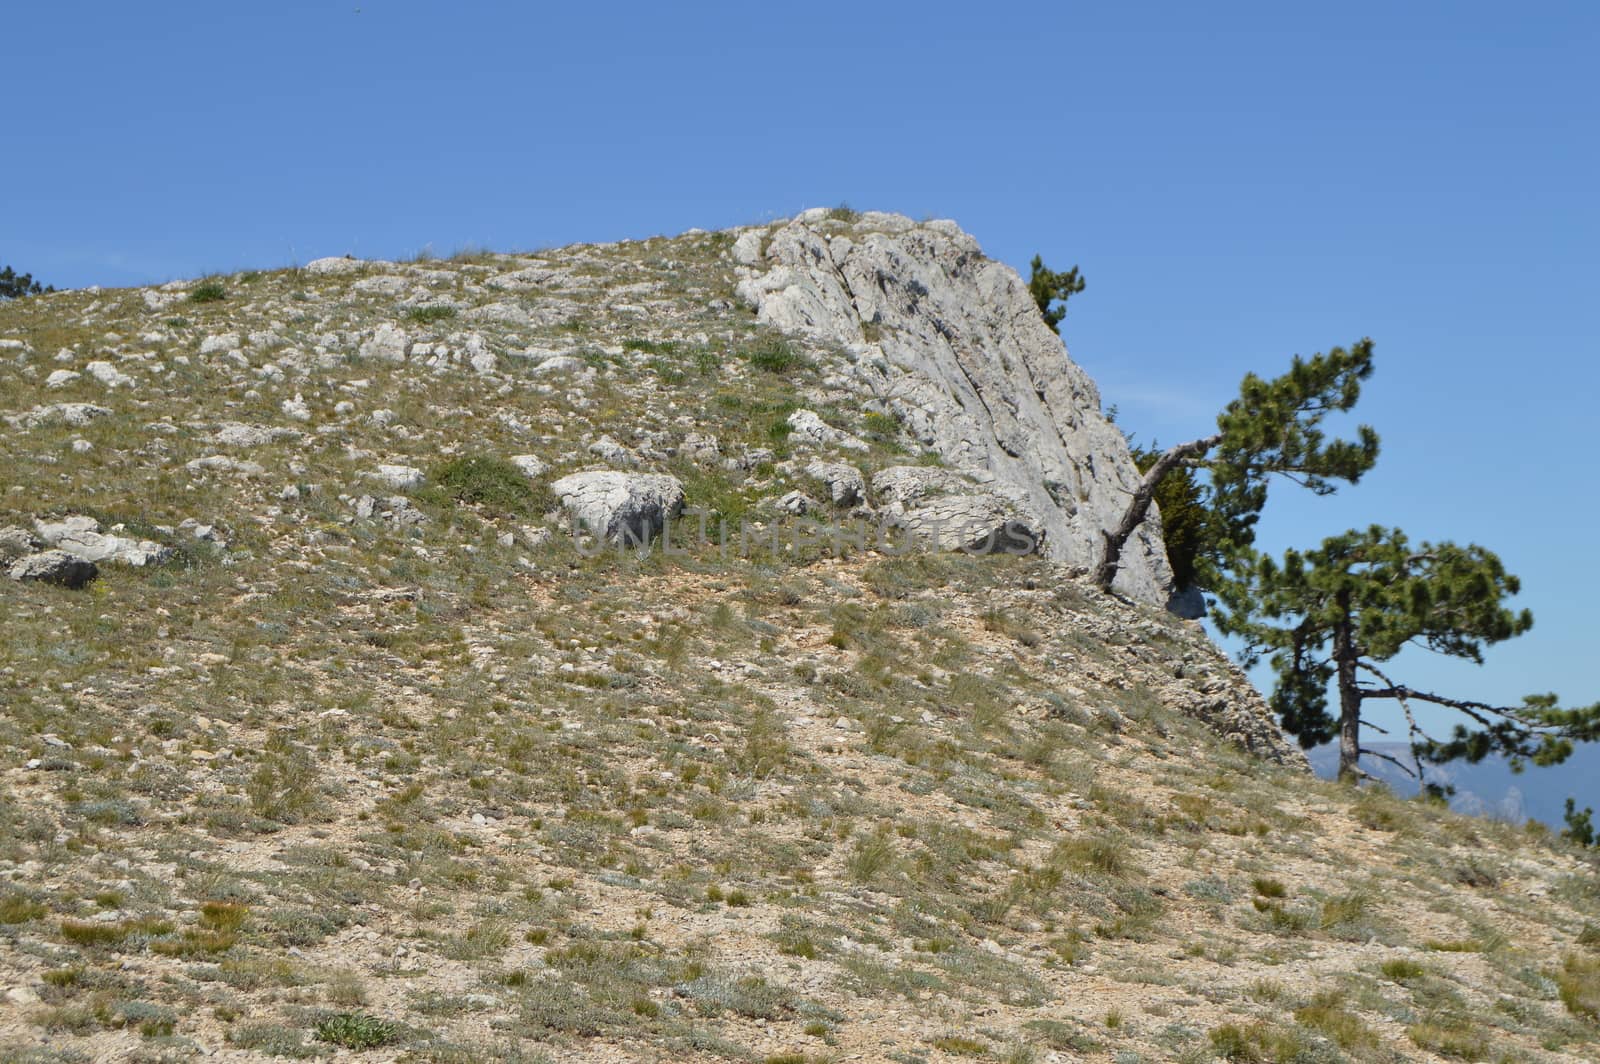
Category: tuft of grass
<point>775,355</point>
<point>1579,984</point>
<point>19,908</point>
<point>208,292</point>
<point>872,858</point>
<point>1269,888</point>
<point>431,314</point>
<point>1402,970</point>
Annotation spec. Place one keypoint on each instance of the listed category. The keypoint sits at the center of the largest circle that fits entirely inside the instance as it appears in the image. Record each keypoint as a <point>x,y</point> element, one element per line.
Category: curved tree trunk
<point>1139,506</point>
<point>1345,657</point>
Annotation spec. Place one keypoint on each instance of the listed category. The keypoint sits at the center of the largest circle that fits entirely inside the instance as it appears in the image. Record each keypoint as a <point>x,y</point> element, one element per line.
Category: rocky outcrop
<point>81,537</point>
<point>953,345</point>
<point>623,508</point>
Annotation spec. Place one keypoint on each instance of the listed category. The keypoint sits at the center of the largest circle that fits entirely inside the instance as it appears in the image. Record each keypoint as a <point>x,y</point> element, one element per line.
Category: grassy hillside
<point>404,775</point>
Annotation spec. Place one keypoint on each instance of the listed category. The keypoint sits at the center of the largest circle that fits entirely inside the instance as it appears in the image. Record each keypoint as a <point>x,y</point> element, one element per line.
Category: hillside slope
<point>353,748</point>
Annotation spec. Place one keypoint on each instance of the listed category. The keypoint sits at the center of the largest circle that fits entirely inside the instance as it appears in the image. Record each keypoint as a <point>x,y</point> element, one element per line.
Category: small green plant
<point>775,355</point>
<point>208,292</point>
<point>1402,970</point>
<point>356,1030</point>
<point>488,482</point>
<point>431,314</point>
<point>1269,888</point>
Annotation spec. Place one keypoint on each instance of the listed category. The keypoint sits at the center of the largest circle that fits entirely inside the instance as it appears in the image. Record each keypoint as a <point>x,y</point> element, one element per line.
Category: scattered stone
<point>223,342</point>
<point>747,247</point>
<point>399,477</point>
<point>846,485</point>
<point>797,503</point>
<point>221,463</point>
<point>396,509</point>
<point>296,408</point>
<point>559,364</point>
<point>530,464</point>
<point>388,343</point>
<point>54,567</point>
<point>609,450</point>
<point>234,434</point>
<point>109,375</point>
<point>810,430</point>
<point>60,378</point>
<point>334,264</point>
<point>75,415</point>
<point>15,542</point>
<point>701,447</point>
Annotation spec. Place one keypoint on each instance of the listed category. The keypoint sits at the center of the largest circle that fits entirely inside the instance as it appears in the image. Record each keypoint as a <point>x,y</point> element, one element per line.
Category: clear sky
<point>1238,182</point>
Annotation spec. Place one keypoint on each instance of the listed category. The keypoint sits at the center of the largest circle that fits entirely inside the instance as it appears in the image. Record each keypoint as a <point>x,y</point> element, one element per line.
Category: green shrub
<point>492,483</point>
<point>208,292</point>
<point>356,1030</point>
<point>775,355</point>
<point>429,315</point>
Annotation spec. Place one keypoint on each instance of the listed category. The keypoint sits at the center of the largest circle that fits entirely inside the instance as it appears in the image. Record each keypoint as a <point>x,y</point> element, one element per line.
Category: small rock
<point>530,464</point>
<point>399,477</point>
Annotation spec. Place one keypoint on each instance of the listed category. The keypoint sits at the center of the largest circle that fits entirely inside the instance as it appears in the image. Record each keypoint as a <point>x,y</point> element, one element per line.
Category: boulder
<point>54,567</point>
<point>15,542</point>
<point>75,415</point>
<point>109,375</point>
<point>221,463</point>
<point>846,486</point>
<point>388,343</point>
<point>530,464</point>
<point>333,265</point>
<point>399,477</point>
<point>808,429</point>
<point>624,508</point>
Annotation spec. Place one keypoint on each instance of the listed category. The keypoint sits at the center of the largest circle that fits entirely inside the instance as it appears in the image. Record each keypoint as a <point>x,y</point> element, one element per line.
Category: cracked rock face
<point>621,507</point>
<point>953,344</point>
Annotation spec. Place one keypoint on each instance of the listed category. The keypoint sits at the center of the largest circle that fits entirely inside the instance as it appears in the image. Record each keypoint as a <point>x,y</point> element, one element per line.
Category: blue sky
<point>1238,182</point>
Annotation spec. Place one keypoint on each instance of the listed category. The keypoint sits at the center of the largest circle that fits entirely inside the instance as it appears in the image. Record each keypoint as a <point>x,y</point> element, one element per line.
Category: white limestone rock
<point>530,464</point>
<point>959,352</point>
<point>81,537</point>
<point>333,265</point>
<point>846,486</point>
<point>625,508</point>
<point>109,375</point>
<point>388,343</point>
<point>398,477</point>
<point>221,463</point>
<point>75,415</point>
<point>808,429</point>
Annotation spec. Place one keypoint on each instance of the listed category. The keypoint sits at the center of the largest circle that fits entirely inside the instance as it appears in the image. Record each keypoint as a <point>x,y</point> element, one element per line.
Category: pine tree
<point>1190,528</point>
<point>15,285</point>
<point>1273,427</point>
<point>1049,287</point>
<point>1339,612</point>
